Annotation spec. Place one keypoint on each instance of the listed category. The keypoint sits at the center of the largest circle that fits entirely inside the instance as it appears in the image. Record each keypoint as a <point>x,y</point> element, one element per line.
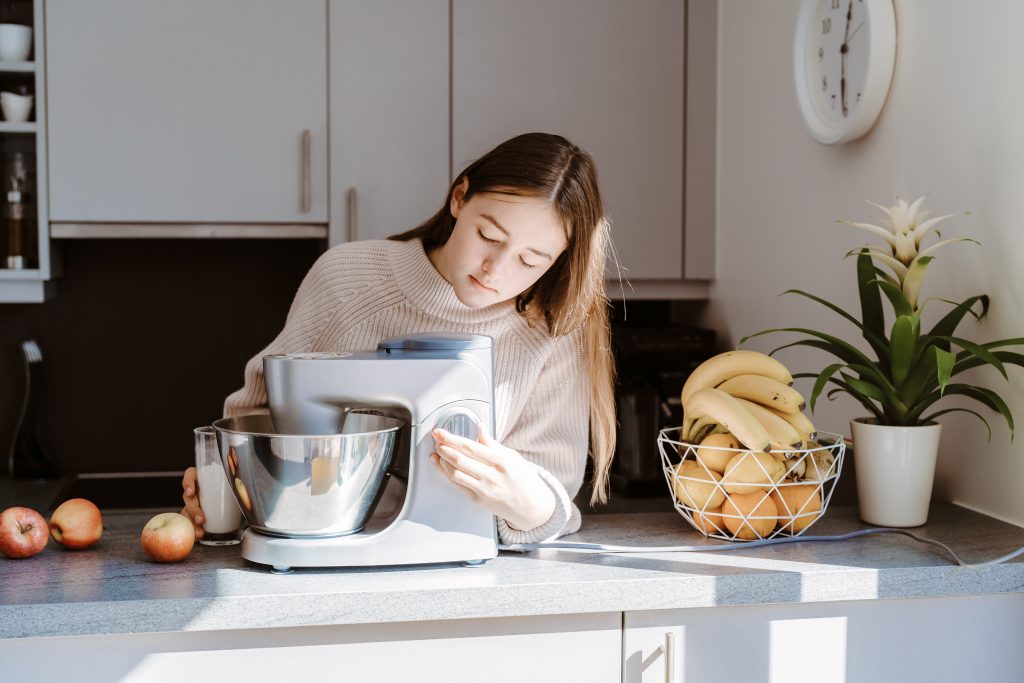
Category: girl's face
<point>500,246</point>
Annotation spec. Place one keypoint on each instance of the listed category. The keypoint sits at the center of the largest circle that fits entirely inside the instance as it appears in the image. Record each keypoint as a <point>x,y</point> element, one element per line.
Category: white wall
<point>953,127</point>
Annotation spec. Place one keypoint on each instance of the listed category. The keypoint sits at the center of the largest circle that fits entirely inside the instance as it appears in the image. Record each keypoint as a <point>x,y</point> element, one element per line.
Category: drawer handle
<point>306,171</point>
<point>351,199</point>
<point>670,657</point>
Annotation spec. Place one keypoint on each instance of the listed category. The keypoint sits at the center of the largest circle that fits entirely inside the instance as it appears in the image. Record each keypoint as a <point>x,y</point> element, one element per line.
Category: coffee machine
<point>341,425</point>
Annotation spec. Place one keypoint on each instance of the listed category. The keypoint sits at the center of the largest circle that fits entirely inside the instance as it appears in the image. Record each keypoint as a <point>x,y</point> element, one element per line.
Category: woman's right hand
<point>191,497</point>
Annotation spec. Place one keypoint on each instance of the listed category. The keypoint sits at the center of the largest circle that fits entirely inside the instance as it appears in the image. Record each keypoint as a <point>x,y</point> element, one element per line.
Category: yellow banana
<point>702,428</point>
<point>765,390</point>
<point>802,423</point>
<point>718,406</point>
<point>781,435</point>
<point>717,369</point>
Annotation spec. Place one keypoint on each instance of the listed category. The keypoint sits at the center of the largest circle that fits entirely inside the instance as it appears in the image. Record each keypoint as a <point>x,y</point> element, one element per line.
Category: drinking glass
<point>223,517</point>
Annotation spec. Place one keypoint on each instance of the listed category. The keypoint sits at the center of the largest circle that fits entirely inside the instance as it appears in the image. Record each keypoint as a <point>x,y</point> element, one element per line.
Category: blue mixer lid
<point>437,341</point>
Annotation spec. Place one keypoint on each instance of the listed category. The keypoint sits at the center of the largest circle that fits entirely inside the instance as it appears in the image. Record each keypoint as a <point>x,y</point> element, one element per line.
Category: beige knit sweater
<point>359,293</point>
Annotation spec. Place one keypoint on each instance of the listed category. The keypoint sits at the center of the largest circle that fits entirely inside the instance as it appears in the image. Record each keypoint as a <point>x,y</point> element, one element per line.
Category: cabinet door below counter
<point>187,111</point>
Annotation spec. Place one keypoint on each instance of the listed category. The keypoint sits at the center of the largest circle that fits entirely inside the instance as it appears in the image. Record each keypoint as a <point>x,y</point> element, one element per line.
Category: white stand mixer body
<point>435,380</point>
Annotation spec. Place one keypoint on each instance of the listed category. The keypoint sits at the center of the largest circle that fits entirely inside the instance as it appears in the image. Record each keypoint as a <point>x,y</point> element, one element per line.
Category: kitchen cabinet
<point>26,262</point>
<point>187,111</point>
<point>876,641</point>
<point>540,649</point>
<point>389,150</point>
<point>608,75</point>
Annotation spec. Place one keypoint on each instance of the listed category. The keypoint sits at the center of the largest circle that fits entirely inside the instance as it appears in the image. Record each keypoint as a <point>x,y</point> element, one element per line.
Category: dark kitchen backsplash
<point>143,341</point>
<point>145,338</point>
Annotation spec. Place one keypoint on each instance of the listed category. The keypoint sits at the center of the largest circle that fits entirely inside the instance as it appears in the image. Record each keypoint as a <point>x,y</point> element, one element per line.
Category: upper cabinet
<point>187,111</point>
<point>389,115</point>
<point>608,75</point>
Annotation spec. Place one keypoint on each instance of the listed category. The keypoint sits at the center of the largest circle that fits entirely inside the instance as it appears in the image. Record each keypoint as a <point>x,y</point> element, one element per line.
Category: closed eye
<point>485,238</point>
<point>528,265</point>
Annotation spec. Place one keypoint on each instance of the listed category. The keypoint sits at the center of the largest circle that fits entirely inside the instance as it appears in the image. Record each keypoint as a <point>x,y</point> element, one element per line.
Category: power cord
<point>600,548</point>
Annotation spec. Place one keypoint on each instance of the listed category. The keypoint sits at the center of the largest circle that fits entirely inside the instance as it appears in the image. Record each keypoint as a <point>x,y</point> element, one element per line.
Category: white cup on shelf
<point>15,42</point>
<point>16,108</point>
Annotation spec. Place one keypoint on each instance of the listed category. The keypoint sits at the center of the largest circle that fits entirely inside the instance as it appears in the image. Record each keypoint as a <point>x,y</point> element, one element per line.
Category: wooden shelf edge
<point>65,231</point>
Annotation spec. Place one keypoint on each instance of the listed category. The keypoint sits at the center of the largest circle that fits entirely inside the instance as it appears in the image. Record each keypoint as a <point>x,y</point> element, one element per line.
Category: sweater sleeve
<point>552,432</point>
<point>312,309</point>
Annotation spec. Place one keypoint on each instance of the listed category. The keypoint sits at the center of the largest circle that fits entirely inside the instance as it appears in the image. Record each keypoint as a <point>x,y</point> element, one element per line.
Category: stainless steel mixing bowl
<point>296,485</point>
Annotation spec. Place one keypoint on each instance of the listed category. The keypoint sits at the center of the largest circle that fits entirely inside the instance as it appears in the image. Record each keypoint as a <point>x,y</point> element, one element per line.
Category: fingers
<point>463,480</point>
<point>484,452</point>
<point>191,499</point>
<point>463,463</point>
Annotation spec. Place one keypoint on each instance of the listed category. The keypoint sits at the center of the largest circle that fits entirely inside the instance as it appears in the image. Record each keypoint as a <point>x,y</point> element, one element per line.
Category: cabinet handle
<point>670,657</point>
<point>351,199</point>
<point>306,200</point>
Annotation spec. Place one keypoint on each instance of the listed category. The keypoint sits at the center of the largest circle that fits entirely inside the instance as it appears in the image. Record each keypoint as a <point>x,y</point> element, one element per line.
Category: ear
<point>459,196</point>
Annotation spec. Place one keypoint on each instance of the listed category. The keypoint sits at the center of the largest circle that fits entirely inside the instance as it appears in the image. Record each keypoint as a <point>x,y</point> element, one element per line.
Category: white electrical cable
<point>600,548</point>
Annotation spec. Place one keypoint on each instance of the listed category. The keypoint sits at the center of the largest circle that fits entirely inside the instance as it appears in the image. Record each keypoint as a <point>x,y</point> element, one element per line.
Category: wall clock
<point>844,55</point>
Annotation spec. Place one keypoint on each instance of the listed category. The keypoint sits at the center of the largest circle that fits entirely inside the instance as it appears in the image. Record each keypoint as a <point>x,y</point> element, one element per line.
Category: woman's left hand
<point>498,478</point>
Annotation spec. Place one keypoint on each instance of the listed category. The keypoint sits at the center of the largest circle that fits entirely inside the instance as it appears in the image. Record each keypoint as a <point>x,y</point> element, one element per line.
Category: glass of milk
<point>223,525</point>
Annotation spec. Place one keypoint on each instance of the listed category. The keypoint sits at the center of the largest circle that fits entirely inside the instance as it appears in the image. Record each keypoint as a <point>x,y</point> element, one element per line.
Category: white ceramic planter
<point>895,469</point>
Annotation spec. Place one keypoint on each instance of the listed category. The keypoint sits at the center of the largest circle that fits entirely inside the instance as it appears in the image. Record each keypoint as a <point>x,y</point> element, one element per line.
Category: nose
<point>493,267</point>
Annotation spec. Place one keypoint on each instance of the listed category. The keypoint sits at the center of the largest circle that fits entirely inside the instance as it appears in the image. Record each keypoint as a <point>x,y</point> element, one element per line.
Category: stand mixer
<point>309,475</point>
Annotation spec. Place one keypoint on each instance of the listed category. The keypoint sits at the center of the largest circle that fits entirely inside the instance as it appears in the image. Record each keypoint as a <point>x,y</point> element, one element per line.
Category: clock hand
<point>859,27</point>
<point>843,49</point>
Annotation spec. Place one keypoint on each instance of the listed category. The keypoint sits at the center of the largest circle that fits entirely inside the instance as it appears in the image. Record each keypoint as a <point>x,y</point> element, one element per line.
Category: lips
<point>481,286</point>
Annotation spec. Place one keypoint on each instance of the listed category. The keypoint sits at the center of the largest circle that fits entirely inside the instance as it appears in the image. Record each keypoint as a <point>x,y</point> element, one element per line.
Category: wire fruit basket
<point>740,495</point>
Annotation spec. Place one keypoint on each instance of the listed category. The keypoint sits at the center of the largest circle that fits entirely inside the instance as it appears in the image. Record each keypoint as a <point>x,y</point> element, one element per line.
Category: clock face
<point>845,51</point>
<point>838,63</point>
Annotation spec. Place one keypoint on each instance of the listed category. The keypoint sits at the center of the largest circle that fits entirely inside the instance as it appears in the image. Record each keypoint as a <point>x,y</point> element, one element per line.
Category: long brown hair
<point>571,293</point>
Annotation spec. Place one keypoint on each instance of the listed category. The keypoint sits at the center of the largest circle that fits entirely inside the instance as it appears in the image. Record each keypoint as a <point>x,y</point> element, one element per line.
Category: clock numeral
<point>821,53</point>
<point>835,4</point>
<point>833,100</point>
<point>824,83</point>
<point>826,25</point>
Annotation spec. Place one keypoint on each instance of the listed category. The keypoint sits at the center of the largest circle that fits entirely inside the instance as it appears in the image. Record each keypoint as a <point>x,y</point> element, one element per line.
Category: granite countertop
<point>114,589</point>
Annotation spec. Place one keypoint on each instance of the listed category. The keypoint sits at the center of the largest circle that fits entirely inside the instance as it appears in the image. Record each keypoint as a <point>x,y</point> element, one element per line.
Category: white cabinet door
<point>389,115</point>
<point>548,649</point>
<point>940,640</point>
<point>187,111</point>
<point>606,74</point>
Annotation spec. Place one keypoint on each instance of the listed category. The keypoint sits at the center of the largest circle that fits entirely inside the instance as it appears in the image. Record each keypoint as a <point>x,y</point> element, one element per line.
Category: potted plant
<point>910,367</point>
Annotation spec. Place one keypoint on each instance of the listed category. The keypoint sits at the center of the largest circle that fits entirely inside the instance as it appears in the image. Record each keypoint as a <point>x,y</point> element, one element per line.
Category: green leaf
<point>903,341</point>
<point>863,400</point>
<point>986,397</point>
<point>822,379</point>
<point>947,326</point>
<point>944,364</point>
<point>865,388</point>
<point>870,300</point>
<point>981,352</point>
<point>931,418</point>
<point>874,337</point>
<point>899,302</point>
<point>970,362</point>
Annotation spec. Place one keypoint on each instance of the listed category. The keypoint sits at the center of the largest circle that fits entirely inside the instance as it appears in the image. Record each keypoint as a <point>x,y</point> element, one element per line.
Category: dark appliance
<point>653,363</point>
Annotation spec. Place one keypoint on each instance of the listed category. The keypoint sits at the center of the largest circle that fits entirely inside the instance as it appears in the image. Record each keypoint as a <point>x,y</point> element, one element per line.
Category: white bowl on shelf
<point>15,42</point>
<point>16,108</point>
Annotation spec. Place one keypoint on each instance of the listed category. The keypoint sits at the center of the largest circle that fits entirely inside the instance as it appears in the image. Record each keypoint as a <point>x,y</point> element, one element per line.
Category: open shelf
<point>17,67</point>
<point>26,127</point>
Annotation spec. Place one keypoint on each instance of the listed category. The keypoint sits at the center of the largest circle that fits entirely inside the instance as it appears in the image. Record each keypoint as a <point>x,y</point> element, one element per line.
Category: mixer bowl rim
<point>217,424</point>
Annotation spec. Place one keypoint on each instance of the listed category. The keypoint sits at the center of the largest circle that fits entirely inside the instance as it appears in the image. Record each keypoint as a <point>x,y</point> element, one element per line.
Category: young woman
<point>517,252</point>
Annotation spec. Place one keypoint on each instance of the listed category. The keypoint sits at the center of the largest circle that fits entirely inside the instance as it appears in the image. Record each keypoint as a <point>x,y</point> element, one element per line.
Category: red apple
<point>23,532</point>
<point>168,537</point>
<point>76,524</point>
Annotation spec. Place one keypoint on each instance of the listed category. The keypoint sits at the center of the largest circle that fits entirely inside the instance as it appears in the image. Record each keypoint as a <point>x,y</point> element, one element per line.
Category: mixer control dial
<point>461,422</point>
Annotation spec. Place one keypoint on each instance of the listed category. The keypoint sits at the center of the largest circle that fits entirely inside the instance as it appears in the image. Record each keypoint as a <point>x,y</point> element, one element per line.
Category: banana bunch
<point>749,395</point>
